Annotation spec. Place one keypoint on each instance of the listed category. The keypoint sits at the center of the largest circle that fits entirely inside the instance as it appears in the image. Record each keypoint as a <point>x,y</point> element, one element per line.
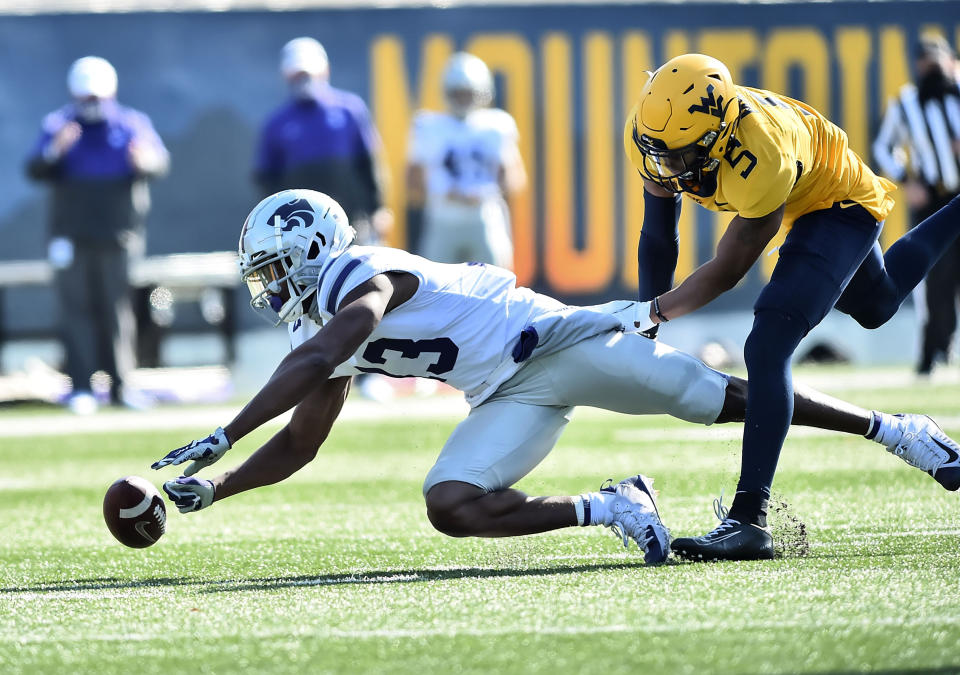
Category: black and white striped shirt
<point>921,139</point>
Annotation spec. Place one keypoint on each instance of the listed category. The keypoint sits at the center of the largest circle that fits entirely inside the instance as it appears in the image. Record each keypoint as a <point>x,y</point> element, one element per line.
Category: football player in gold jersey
<point>776,163</point>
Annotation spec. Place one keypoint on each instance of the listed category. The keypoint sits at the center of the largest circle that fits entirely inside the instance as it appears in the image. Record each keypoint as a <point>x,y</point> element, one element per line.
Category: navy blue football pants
<point>830,258</point>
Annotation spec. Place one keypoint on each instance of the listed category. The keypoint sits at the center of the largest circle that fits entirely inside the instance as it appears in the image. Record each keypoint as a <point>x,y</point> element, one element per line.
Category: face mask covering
<point>935,84</point>
<point>90,111</point>
<point>303,87</point>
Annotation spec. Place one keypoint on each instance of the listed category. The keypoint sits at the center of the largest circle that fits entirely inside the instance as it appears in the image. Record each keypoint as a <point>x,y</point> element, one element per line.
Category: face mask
<point>90,111</point>
<point>303,87</point>
<point>934,84</point>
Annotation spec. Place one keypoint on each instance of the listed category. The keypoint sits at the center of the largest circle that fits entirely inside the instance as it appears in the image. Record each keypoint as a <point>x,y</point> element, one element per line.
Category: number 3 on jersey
<point>397,355</point>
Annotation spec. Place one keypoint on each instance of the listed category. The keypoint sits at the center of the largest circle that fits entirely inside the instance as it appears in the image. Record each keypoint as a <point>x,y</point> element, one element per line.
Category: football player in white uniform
<point>523,360</point>
<point>462,166</point>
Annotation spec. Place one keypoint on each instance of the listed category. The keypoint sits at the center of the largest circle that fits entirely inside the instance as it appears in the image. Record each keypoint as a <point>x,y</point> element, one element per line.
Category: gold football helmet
<point>685,107</point>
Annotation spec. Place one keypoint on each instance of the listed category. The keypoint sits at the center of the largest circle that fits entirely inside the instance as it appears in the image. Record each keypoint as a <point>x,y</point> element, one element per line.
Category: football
<point>134,512</point>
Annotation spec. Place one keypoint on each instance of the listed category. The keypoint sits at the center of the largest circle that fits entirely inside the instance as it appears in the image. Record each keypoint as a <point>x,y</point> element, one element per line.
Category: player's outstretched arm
<point>314,361</point>
<point>288,451</point>
<point>739,247</point>
<point>291,448</point>
<point>305,368</point>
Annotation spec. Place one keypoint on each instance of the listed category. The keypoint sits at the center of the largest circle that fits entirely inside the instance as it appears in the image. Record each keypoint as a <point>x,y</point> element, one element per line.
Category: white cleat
<point>924,445</point>
<point>635,517</point>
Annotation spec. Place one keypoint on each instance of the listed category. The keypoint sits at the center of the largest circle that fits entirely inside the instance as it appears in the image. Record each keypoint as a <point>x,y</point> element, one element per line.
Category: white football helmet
<point>467,84</point>
<point>284,244</point>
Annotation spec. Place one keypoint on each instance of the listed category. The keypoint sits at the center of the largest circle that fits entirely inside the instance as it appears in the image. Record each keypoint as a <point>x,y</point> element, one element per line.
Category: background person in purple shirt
<point>97,156</point>
<point>323,139</point>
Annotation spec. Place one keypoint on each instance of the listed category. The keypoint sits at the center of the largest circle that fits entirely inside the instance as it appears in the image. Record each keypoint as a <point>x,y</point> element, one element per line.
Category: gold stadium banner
<point>570,93</point>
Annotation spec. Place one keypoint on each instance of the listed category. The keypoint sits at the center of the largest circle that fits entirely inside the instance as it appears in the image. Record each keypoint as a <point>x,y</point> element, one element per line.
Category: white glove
<point>634,316</point>
<point>204,453</point>
<point>190,494</point>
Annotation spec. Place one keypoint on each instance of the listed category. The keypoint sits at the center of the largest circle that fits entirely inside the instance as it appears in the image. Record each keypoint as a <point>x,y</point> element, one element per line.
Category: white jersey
<point>460,327</point>
<point>463,155</point>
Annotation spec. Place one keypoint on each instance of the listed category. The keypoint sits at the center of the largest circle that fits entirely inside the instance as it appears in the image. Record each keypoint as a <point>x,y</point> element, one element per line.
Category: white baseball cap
<point>92,76</point>
<point>303,55</point>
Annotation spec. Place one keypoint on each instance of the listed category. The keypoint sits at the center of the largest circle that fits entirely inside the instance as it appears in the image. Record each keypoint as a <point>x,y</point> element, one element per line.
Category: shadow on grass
<point>406,576</point>
<point>268,583</point>
<point>101,584</point>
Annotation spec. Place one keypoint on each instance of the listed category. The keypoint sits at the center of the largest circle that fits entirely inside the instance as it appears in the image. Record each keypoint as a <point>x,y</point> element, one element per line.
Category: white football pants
<point>506,436</point>
<point>456,233</point>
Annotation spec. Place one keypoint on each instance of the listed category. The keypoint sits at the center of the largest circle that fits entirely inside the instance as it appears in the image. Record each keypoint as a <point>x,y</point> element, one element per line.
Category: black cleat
<point>730,540</point>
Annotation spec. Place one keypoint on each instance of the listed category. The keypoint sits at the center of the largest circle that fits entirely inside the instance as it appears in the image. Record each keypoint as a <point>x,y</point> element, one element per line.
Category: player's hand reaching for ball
<point>190,494</point>
<point>203,452</point>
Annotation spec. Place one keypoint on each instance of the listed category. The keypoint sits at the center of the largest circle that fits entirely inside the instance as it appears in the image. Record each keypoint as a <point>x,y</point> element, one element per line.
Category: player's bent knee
<point>874,317</point>
<point>450,509</point>
<point>772,339</point>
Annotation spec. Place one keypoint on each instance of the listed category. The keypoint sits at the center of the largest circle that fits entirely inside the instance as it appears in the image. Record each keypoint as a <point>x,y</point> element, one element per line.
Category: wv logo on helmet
<point>709,104</point>
<point>292,214</point>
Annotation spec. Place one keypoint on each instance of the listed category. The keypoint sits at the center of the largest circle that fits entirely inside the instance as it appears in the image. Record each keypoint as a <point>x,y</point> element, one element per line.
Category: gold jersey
<point>783,151</point>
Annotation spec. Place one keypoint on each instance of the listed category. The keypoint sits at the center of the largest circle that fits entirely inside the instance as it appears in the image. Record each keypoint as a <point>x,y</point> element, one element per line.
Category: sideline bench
<point>158,282</point>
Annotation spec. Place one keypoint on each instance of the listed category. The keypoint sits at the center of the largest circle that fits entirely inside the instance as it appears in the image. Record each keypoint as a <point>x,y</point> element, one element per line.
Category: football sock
<point>581,504</point>
<point>593,508</point>
<point>658,247</point>
<point>772,341</point>
<point>885,429</point>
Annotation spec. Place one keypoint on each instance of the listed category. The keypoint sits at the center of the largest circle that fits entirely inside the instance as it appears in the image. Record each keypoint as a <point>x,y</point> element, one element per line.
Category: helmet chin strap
<point>296,306</point>
<point>313,308</point>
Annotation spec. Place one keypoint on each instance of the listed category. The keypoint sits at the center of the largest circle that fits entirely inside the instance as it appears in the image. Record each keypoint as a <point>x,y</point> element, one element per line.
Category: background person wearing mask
<point>919,145</point>
<point>323,139</point>
<point>97,156</point>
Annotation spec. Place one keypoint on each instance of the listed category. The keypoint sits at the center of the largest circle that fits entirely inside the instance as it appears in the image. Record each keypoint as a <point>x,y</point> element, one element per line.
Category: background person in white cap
<point>97,156</point>
<point>323,139</point>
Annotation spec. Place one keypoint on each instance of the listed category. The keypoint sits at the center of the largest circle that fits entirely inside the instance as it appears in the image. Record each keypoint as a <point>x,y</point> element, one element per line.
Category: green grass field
<point>339,571</point>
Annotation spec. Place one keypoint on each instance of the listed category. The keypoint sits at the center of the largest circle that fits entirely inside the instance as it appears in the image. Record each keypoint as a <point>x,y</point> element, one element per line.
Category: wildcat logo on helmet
<point>296,213</point>
<point>709,104</point>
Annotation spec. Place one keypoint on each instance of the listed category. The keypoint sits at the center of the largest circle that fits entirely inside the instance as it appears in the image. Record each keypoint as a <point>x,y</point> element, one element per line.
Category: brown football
<point>134,512</point>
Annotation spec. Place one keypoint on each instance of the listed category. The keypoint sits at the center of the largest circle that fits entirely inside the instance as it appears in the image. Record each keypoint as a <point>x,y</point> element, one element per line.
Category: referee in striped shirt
<point>919,145</point>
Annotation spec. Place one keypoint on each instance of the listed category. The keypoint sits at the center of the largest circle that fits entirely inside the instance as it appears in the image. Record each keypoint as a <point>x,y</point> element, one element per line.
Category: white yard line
<point>730,432</point>
<point>285,634</point>
<point>432,407</point>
